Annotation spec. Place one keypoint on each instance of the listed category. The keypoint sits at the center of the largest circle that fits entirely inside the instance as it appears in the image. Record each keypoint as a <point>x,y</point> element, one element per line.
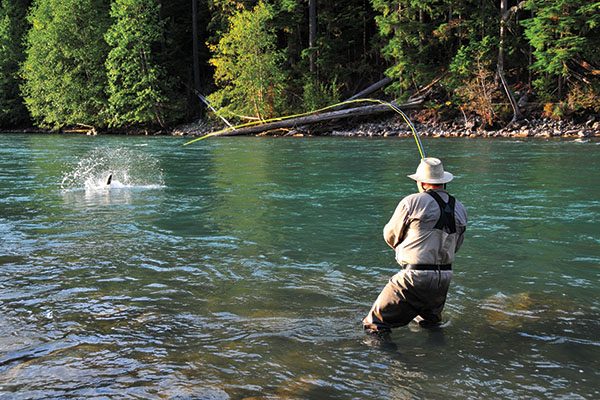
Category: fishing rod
<point>391,105</point>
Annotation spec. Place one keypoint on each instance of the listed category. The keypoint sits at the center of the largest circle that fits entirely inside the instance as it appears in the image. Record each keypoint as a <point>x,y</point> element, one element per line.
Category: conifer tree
<point>414,48</point>
<point>248,65</point>
<point>136,82</point>
<point>424,36</point>
<point>561,32</point>
<point>12,29</point>
<point>64,82</point>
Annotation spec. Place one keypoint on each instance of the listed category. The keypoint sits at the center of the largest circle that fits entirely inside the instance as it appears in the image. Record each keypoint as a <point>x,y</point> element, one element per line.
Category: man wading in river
<point>425,231</point>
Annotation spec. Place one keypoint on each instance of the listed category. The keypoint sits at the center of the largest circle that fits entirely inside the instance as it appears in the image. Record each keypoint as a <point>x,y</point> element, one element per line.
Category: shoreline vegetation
<point>524,68</point>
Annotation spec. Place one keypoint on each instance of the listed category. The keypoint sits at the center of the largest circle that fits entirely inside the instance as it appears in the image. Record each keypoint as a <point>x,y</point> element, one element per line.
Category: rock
<point>583,134</point>
<point>571,132</point>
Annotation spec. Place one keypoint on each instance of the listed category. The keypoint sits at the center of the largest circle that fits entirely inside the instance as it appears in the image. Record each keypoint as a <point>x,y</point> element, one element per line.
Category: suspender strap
<point>446,222</point>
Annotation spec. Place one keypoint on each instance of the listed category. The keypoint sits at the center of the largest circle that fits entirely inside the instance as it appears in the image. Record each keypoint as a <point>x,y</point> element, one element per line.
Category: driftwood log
<point>322,117</point>
<point>373,88</point>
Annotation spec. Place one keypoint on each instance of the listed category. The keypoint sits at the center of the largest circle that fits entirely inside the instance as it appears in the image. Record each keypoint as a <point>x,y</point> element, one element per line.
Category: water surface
<point>240,268</point>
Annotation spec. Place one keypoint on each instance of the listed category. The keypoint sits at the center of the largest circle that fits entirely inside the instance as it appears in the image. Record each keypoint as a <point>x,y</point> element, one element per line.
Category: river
<point>241,268</point>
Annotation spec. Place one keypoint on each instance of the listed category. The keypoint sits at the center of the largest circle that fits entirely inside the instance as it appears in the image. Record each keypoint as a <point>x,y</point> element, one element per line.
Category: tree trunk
<point>312,33</point>
<point>195,45</point>
<point>504,16</point>
<point>500,64</point>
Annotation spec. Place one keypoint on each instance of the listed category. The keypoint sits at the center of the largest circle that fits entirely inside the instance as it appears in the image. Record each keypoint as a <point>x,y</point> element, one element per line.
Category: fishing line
<point>205,101</point>
<point>392,105</point>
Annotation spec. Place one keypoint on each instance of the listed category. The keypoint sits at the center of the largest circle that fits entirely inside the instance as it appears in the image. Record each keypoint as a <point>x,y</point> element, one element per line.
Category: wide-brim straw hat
<point>431,170</point>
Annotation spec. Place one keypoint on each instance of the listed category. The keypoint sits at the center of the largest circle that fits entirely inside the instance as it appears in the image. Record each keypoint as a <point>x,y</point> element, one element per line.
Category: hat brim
<point>445,179</point>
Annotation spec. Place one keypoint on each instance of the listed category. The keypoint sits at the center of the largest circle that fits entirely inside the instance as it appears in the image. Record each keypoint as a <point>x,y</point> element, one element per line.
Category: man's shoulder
<point>425,198</point>
<point>411,197</point>
<point>415,199</point>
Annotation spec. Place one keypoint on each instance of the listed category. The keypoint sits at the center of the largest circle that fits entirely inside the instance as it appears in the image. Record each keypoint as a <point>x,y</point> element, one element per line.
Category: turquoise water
<point>242,267</point>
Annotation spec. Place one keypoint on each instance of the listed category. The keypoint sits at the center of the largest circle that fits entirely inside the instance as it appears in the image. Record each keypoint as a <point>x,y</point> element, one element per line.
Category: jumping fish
<point>109,180</point>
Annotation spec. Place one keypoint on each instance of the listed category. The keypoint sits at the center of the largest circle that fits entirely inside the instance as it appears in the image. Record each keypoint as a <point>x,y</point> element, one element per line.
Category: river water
<point>241,268</point>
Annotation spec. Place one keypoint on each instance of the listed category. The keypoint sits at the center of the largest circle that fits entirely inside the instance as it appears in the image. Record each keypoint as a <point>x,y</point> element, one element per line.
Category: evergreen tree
<point>416,52</point>
<point>562,33</point>
<point>137,84</point>
<point>345,56</point>
<point>347,45</point>
<point>248,65</point>
<point>64,82</point>
<point>12,29</point>
<point>424,36</point>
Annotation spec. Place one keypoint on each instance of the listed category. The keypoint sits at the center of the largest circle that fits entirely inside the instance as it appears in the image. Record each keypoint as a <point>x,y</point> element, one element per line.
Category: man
<point>426,230</point>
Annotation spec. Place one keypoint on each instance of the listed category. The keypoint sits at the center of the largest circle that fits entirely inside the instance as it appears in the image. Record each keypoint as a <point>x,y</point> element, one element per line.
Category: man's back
<point>411,230</point>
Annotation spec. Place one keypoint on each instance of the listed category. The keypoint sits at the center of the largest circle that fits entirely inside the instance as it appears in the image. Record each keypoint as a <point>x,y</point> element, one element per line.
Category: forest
<point>130,64</point>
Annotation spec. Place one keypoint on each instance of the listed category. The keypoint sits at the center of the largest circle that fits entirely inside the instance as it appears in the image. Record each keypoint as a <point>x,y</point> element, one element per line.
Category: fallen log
<point>360,95</point>
<point>373,88</point>
<point>312,119</point>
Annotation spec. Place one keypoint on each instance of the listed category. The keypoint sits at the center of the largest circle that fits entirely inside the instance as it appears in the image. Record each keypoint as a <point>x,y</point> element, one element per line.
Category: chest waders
<point>446,222</point>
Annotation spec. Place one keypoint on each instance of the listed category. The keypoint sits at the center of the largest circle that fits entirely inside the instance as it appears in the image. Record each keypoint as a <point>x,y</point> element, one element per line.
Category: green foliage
<point>469,56</point>
<point>563,33</point>
<point>318,95</point>
<point>12,29</point>
<point>347,51</point>
<point>136,83</point>
<point>248,66</point>
<point>553,33</point>
<point>423,36</point>
<point>64,81</point>
<point>473,79</point>
<point>83,62</point>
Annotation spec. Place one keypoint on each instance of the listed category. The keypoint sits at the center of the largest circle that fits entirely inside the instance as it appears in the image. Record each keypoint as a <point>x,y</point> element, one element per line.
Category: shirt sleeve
<point>461,232</point>
<point>395,230</point>
<point>461,236</point>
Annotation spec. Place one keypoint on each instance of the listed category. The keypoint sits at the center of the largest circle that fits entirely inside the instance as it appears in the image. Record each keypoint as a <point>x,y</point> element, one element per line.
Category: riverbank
<point>381,127</point>
<point>395,126</point>
<point>534,128</point>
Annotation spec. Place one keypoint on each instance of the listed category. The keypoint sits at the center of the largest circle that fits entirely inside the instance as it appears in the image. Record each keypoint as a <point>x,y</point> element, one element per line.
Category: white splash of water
<point>107,168</point>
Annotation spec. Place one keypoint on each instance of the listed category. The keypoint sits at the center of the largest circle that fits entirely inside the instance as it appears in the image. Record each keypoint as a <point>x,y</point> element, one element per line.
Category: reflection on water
<point>241,268</point>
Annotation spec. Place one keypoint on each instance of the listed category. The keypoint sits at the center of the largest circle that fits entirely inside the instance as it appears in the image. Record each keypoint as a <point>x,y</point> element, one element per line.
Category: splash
<point>114,168</point>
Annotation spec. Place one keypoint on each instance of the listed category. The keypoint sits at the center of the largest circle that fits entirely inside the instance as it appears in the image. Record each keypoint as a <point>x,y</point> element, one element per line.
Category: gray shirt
<point>411,231</point>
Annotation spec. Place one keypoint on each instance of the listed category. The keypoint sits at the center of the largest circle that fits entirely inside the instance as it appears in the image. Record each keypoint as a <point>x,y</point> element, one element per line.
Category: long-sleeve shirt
<point>410,231</point>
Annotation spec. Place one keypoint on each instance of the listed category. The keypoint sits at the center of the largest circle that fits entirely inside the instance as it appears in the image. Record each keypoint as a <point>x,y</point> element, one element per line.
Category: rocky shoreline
<point>396,127</point>
<point>389,127</point>
<point>534,128</point>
